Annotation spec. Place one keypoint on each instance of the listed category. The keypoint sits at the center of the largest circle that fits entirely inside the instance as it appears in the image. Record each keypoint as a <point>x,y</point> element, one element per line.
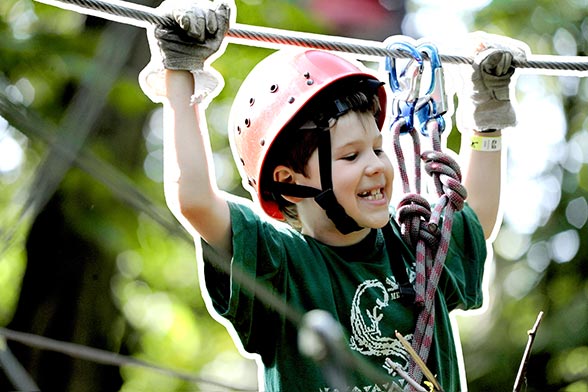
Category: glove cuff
<point>208,83</point>
<point>152,81</point>
<point>487,116</point>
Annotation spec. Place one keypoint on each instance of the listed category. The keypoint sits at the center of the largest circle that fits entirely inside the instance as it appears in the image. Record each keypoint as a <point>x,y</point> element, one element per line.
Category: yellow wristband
<point>482,143</point>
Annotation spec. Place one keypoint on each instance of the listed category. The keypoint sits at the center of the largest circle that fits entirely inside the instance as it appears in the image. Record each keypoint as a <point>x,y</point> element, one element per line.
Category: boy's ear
<point>285,174</point>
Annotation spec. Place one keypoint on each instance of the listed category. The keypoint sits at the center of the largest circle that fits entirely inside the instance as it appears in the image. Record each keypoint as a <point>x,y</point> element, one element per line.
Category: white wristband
<point>482,143</point>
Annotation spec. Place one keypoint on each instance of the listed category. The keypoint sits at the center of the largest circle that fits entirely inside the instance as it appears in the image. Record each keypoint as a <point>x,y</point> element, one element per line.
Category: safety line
<point>104,357</point>
<point>131,13</point>
<point>14,371</point>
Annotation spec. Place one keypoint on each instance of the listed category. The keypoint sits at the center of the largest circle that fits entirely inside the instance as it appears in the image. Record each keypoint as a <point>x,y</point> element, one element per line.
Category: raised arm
<point>190,186</point>
<point>482,177</point>
<point>484,110</point>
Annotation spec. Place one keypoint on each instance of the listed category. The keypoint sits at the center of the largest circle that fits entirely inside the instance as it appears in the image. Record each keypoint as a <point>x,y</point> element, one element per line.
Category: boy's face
<point>361,171</point>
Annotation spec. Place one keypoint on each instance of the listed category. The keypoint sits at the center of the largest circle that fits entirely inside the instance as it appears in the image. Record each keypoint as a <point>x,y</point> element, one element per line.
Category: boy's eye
<point>378,151</point>
<point>349,157</point>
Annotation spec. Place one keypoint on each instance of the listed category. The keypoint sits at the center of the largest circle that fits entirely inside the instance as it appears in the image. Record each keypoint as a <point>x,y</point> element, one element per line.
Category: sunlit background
<point>107,235</point>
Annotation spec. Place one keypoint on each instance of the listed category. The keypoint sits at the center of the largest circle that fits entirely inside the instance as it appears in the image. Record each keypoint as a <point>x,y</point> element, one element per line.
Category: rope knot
<point>446,175</point>
<point>414,214</point>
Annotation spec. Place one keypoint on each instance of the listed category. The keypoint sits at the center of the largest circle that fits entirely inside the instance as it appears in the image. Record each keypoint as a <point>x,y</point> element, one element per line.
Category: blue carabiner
<point>433,105</point>
<point>405,87</point>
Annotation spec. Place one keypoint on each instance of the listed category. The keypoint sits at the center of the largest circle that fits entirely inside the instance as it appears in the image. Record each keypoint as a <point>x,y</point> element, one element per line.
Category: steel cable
<point>107,358</point>
<point>142,16</point>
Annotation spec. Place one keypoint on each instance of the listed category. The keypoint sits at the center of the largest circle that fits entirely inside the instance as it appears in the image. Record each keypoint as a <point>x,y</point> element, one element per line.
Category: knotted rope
<point>426,231</point>
<point>136,14</point>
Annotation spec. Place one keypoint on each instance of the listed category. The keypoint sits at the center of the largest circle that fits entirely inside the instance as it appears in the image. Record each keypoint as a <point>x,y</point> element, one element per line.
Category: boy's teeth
<point>376,194</point>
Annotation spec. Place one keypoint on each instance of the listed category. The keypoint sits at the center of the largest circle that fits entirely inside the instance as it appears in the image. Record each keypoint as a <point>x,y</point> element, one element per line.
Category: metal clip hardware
<point>406,86</point>
<point>433,105</point>
<point>408,106</point>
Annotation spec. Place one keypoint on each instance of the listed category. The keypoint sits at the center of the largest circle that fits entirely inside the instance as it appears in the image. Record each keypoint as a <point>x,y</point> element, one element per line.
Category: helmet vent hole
<point>273,88</point>
<point>242,161</point>
<point>247,122</point>
<point>262,142</point>
<point>310,82</point>
<point>238,130</point>
<point>251,101</point>
<point>291,100</point>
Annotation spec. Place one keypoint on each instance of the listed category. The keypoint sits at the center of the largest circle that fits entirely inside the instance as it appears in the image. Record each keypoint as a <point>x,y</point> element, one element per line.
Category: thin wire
<point>104,357</point>
<point>14,371</point>
<point>139,15</point>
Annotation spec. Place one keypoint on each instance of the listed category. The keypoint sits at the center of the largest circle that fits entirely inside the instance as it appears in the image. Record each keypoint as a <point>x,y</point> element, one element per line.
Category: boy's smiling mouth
<point>374,194</point>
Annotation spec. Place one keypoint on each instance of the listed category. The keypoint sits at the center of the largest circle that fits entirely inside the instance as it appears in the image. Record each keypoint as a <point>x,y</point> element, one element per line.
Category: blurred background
<point>90,255</point>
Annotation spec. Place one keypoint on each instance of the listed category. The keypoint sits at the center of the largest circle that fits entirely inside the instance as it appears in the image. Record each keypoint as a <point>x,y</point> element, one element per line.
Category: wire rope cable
<point>131,13</point>
<point>107,358</point>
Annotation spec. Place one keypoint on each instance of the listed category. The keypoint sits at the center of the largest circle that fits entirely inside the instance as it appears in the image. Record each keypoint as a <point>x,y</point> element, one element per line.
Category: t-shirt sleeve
<point>464,266</point>
<point>237,287</point>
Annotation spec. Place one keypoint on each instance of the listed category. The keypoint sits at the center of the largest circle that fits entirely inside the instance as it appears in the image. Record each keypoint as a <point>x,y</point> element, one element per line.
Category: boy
<point>306,137</point>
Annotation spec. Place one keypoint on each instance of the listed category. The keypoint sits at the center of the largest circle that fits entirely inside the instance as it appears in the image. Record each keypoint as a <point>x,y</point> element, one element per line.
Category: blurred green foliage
<point>531,272</point>
<point>47,53</point>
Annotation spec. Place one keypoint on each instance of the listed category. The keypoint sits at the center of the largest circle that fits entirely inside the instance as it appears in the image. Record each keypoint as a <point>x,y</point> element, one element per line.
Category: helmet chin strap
<point>324,197</point>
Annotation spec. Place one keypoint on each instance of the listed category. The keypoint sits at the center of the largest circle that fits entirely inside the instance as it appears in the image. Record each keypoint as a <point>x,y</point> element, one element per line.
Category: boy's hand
<point>199,33</point>
<point>485,103</point>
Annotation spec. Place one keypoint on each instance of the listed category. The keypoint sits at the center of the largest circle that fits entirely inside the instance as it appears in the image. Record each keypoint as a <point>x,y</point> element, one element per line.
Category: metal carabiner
<point>433,105</point>
<point>405,87</point>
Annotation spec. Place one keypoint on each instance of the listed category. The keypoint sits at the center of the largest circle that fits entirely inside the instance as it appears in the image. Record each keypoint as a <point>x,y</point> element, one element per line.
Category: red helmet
<point>271,95</point>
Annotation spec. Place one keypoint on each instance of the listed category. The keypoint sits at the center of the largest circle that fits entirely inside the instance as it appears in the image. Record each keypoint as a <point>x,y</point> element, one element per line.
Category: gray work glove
<point>200,29</point>
<point>485,103</point>
<point>194,41</point>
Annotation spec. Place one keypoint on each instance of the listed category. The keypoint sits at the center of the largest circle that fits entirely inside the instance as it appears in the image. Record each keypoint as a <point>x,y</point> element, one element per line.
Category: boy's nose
<point>375,165</point>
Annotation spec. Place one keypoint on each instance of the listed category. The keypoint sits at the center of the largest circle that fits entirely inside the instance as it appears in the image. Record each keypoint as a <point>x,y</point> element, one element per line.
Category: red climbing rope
<point>426,230</point>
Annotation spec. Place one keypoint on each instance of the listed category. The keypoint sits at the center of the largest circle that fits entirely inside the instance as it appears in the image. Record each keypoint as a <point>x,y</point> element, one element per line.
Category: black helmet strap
<point>326,199</point>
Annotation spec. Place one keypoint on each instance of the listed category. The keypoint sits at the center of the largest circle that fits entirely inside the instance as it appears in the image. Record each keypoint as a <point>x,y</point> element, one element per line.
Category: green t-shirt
<point>355,284</point>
